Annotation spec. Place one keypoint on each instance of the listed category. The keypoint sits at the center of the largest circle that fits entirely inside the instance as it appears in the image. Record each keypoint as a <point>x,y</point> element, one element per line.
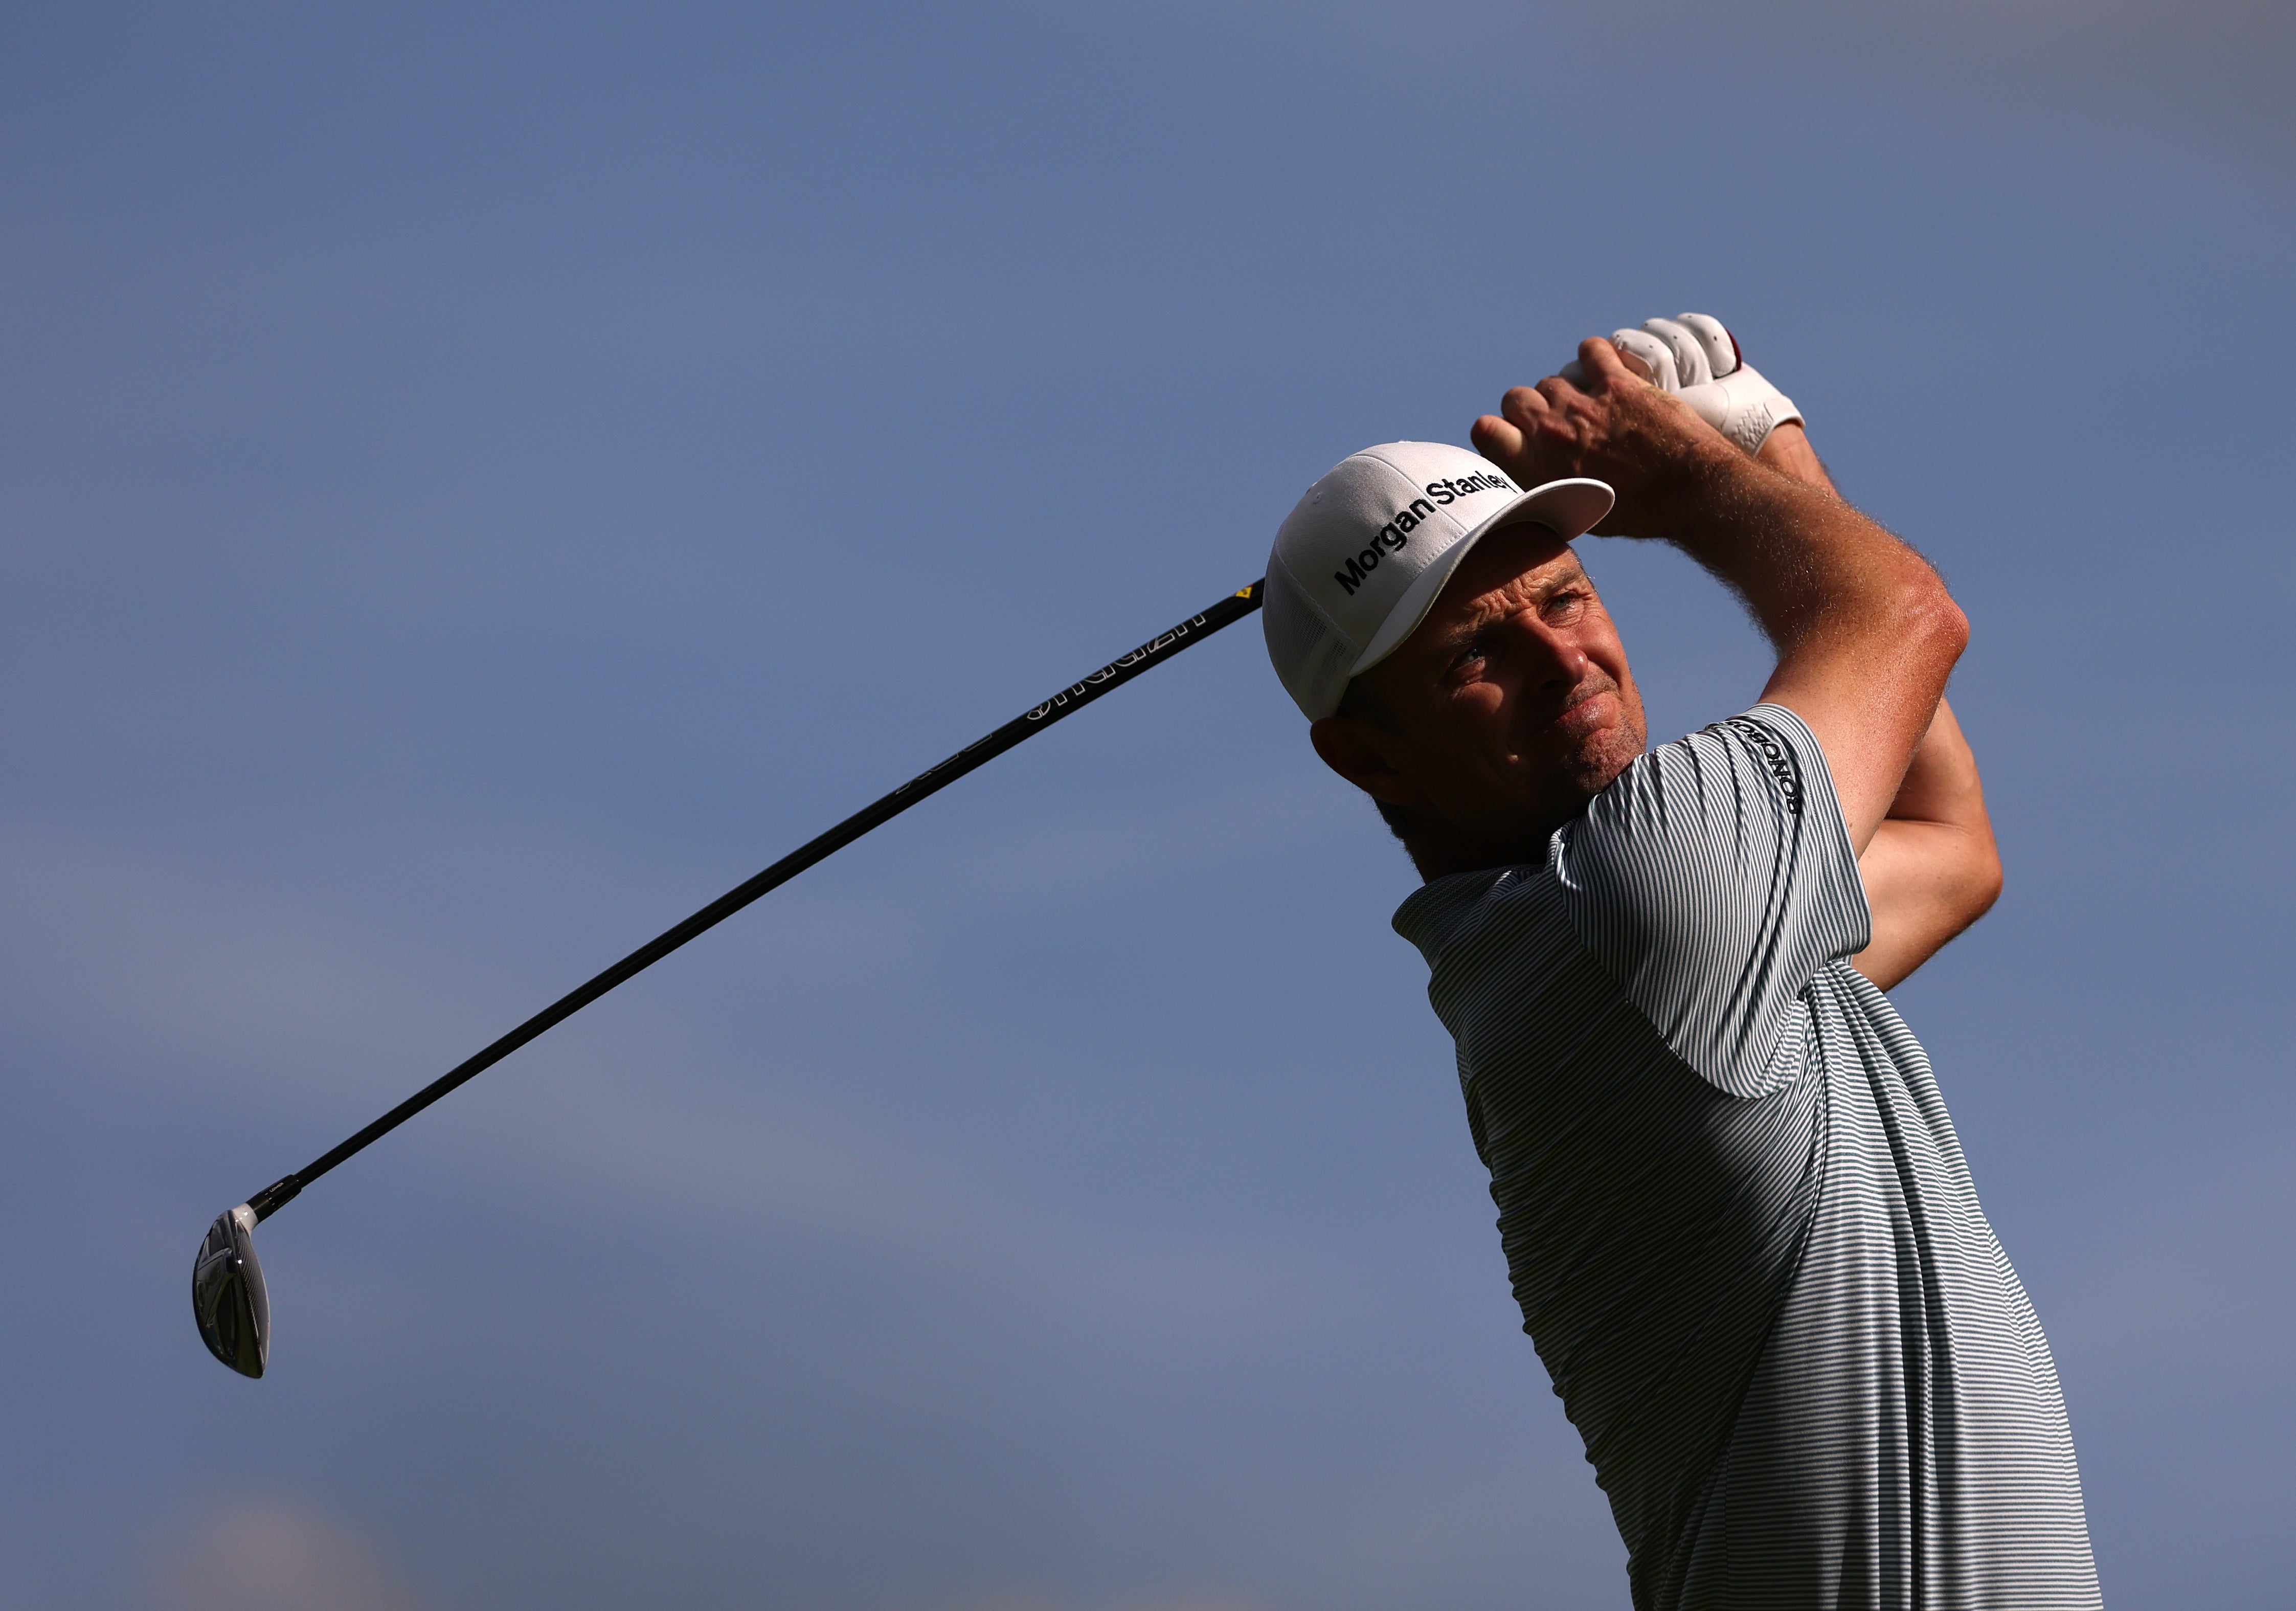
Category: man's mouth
<point>1588,712</point>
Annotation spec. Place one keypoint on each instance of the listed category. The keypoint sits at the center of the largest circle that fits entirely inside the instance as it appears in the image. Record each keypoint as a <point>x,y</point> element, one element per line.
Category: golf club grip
<point>1070,700</point>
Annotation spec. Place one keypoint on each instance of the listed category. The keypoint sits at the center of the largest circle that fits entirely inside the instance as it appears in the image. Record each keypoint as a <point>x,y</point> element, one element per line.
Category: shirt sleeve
<point>1714,878</point>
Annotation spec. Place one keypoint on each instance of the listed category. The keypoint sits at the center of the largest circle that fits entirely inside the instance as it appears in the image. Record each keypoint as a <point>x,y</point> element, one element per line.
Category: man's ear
<point>1351,747</point>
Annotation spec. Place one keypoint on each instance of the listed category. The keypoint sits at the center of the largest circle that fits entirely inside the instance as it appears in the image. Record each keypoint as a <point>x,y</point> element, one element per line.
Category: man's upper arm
<point>1713,879</point>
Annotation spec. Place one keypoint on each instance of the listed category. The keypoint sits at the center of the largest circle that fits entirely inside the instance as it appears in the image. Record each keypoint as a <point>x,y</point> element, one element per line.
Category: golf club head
<point>227,1296</point>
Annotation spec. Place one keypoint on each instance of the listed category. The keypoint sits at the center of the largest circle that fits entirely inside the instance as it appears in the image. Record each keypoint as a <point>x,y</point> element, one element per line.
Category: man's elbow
<point>1974,882</point>
<point>1929,618</point>
<point>1982,883</point>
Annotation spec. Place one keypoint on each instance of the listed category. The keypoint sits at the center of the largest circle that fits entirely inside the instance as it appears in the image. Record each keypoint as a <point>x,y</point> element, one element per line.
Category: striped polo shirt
<point>1736,1216</point>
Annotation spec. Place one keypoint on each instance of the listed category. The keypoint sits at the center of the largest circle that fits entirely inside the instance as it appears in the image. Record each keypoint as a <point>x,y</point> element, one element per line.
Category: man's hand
<point>1616,426</point>
<point>1695,359</point>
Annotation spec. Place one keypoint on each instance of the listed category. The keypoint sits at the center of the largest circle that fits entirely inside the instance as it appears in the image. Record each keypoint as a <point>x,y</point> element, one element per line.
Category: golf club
<point>228,1296</point>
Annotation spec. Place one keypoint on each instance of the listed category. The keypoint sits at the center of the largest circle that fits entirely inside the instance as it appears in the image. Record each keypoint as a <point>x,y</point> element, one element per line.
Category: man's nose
<point>1550,658</point>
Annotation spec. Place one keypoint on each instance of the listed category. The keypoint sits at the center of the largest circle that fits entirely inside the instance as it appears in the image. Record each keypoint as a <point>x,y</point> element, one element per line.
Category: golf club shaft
<point>1066,702</point>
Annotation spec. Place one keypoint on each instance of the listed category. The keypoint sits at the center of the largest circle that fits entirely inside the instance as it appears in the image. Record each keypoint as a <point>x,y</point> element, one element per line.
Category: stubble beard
<point>1590,765</point>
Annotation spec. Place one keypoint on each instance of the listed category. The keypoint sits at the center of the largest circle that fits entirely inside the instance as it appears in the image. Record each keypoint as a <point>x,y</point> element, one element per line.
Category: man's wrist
<point>1789,453</point>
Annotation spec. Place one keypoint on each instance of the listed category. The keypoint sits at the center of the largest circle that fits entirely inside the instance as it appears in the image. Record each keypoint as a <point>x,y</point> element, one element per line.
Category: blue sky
<point>476,481</point>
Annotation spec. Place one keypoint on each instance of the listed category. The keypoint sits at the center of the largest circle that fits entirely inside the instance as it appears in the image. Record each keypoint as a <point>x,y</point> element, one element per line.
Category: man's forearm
<point>1932,868</point>
<point>1794,558</point>
<point>1788,451</point>
<point>1866,632</point>
<point>1807,565</point>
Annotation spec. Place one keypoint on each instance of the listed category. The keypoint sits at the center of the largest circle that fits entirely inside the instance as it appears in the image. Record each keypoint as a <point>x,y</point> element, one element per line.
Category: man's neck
<point>1442,855</point>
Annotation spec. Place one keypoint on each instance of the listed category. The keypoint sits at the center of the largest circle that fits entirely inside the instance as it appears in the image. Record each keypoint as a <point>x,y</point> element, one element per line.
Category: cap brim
<point>1568,508</point>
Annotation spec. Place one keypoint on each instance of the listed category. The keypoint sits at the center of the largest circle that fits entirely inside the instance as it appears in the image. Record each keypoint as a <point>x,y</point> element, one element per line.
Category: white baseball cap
<point>1359,560</point>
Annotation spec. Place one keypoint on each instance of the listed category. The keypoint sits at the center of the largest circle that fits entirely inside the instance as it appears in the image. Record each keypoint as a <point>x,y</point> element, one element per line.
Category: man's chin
<point>1592,743</point>
<point>1585,768</point>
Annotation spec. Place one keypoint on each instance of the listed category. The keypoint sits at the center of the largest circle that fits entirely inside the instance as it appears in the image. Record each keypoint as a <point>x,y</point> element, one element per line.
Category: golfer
<point>1733,1209</point>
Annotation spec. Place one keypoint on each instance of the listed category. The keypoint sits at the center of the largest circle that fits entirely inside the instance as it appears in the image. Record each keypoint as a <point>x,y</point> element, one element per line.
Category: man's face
<point>1505,712</point>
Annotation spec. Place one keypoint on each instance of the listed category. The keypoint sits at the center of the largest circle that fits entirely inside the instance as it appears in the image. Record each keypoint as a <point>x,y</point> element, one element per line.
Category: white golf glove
<point>1693,356</point>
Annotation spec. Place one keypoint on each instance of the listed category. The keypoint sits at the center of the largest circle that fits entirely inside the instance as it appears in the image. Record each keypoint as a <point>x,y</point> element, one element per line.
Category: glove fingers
<point>1720,346</point>
<point>1711,403</point>
<point>1691,366</point>
<point>1654,352</point>
<point>1694,356</point>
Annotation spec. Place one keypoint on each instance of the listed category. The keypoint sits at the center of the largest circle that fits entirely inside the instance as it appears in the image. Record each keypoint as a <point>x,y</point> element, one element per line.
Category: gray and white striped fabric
<point>1736,1216</point>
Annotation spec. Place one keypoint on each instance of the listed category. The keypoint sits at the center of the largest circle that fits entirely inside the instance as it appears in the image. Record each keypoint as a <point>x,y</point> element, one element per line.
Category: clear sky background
<point>477,481</point>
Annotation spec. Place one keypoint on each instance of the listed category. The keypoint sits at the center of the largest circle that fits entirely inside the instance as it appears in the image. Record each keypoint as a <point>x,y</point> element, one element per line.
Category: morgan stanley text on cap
<point>1359,562</point>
